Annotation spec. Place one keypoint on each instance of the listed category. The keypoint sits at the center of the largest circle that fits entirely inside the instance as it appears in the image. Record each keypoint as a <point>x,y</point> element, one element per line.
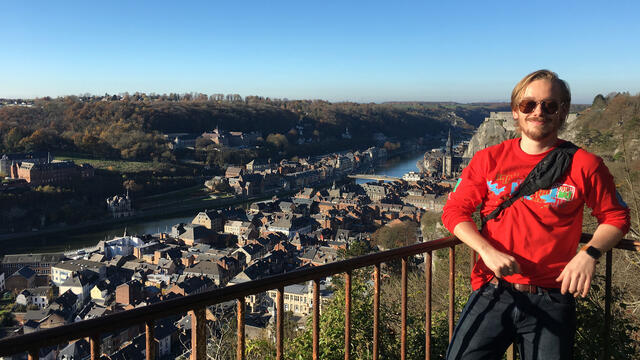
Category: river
<point>395,167</point>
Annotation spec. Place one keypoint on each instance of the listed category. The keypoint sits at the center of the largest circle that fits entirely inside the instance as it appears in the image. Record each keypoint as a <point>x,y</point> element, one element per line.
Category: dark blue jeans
<point>542,325</point>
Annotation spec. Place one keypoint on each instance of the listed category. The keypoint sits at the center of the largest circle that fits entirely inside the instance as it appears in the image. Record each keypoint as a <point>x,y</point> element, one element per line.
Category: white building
<point>34,296</point>
<point>412,176</point>
<point>120,246</point>
<point>65,269</point>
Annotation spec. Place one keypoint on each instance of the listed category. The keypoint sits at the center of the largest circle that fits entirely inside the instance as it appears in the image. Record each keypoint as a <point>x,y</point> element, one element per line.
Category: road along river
<point>66,241</point>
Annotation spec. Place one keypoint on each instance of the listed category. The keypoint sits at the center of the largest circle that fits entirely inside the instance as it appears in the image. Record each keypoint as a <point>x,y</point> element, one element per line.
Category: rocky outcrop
<point>499,126</point>
<point>571,128</point>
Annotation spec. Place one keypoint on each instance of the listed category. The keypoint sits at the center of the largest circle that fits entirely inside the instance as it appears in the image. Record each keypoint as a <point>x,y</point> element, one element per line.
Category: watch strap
<point>592,251</point>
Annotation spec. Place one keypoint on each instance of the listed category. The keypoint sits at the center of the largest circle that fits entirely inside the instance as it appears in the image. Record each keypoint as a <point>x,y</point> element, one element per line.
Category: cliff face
<point>500,126</point>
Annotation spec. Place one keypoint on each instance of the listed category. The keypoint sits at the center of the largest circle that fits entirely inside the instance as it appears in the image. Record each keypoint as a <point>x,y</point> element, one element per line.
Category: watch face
<point>593,252</point>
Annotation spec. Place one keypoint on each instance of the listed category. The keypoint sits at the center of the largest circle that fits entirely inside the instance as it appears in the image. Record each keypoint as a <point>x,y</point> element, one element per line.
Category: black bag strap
<point>543,176</point>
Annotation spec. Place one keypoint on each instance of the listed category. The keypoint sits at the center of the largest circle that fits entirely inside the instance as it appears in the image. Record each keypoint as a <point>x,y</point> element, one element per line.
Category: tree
<point>395,234</point>
<point>12,139</point>
<point>332,325</point>
<point>279,141</point>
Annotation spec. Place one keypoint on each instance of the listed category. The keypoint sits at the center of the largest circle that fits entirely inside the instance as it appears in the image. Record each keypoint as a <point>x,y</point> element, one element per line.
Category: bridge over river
<point>374,177</point>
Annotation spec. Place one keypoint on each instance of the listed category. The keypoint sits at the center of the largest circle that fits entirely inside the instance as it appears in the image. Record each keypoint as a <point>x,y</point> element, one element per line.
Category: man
<point>528,271</point>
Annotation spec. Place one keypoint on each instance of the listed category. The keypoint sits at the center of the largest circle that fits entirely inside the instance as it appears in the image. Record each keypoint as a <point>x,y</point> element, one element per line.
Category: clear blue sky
<point>335,50</point>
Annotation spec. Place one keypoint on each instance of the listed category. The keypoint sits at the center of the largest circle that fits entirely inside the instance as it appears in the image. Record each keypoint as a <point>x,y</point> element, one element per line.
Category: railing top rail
<point>183,304</point>
<point>121,320</point>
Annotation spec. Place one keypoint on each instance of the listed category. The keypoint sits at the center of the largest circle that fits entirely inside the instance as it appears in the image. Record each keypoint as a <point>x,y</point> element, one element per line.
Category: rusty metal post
<point>150,343</point>
<point>316,319</point>
<point>376,311</point>
<point>403,311</point>
<point>347,315</point>
<point>280,323</point>
<point>94,342</point>
<point>198,334</point>
<point>607,303</point>
<point>240,332</point>
<point>34,354</point>
<point>427,326</point>
<point>452,290</point>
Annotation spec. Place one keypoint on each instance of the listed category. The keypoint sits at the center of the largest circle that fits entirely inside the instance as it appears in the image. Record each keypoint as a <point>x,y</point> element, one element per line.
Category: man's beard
<point>538,133</point>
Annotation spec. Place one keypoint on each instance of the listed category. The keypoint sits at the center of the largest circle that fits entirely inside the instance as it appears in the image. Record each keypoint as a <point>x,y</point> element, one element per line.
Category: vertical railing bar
<point>94,344</point>
<point>607,303</point>
<point>347,316</point>
<point>316,319</point>
<point>403,311</point>
<point>280,323</point>
<point>452,291</point>
<point>428,277</point>
<point>34,354</point>
<point>240,330</point>
<point>376,310</point>
<point>198,333</point>
<point>150,352</point>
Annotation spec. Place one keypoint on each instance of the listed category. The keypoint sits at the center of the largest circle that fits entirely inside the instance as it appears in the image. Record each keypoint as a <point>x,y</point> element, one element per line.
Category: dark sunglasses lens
<point>527,106</point>
<point>550,107</point>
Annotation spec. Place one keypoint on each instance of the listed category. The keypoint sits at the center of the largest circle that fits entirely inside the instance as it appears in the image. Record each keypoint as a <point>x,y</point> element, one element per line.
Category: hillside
<point>130,127</point>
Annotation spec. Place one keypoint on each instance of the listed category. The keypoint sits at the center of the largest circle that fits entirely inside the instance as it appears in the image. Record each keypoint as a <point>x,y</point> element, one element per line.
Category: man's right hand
<point>500,263</point>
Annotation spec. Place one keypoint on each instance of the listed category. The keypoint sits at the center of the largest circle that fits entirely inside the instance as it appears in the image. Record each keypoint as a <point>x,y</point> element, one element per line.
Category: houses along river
<point>61,241</point>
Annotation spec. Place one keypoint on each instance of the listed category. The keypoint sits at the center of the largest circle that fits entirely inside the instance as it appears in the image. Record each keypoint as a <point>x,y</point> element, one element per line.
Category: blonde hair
<point>518,90</point>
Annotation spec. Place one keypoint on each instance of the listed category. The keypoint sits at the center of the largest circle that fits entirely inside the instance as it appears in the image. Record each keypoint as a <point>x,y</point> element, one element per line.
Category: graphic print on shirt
<point>558,195</point>
<point>494,188</point>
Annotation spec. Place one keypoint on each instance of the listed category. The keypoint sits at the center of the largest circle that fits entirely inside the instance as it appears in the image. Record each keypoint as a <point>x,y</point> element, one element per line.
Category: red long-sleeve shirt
<point>541,231</point>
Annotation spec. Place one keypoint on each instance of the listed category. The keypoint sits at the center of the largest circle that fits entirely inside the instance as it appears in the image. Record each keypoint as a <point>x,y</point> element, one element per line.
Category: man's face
<point>539,125</point>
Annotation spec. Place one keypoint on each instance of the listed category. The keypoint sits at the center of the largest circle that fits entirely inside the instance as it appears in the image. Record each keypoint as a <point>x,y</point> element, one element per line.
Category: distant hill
<point>131,126</point>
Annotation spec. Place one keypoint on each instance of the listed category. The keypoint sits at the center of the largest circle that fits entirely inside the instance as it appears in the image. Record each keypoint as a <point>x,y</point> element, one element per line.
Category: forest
<point>131,126</point>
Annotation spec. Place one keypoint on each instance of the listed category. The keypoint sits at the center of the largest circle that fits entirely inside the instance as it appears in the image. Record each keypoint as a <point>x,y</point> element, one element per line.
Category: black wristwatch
<point>592,251</point>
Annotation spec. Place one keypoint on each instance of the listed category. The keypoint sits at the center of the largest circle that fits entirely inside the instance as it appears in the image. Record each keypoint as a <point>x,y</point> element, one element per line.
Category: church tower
<point>447,158</point>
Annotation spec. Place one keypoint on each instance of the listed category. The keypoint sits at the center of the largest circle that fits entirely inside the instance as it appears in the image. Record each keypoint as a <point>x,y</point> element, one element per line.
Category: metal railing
<point>195,305</point>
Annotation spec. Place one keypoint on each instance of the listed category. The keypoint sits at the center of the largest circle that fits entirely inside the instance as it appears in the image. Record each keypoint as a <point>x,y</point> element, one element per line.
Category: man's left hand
<point>577,275</point>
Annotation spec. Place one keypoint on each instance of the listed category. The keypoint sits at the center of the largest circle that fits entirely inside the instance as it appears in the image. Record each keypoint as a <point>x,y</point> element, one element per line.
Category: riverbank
<point>176,207</point>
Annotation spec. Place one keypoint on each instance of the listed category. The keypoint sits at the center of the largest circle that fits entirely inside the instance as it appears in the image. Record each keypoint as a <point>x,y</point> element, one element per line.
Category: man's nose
<point>537,111</point>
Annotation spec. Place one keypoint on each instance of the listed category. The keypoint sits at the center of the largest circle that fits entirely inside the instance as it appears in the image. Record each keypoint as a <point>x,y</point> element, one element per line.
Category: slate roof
<point>82,279</point>
<point>192,284</point>
<point>33,258</point>
<point>206,268</point>
<point>193,232</point>
<point>37,291</point>
<point>76,350</point>
<point>79,265</point>
<point>66,300</point>
<point>25,272</point>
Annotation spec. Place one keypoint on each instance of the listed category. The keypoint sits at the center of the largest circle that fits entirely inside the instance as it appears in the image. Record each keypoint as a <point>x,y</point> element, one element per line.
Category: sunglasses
<point>549,107</point>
